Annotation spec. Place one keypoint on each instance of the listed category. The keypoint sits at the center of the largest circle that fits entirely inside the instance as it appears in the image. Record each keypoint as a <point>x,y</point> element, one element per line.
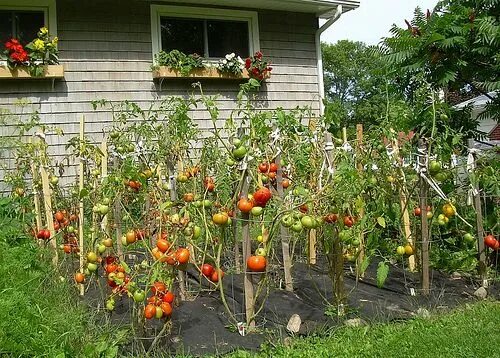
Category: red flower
<point>258,54</point>
<point>248,63</point>
<point>19,56</point>
<point>12,44</point>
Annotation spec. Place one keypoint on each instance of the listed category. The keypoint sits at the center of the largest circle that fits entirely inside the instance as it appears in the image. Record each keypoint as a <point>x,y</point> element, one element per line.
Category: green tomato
<point>435,167</point>
<point>443,117</point>
<point>400,250</point>
<point>92,267</point>
<point>260,251</point>
<point>207,203</point>
<point>114,134</point>
<point>308,222</point>
<point>237,142</point>
<point>257,210</point>
<point>103,209</point>
<point>106,201</point>
<point>110,304</point>
<point>344,235</point>
<point>54,180</point>
<point>101,248</point>
<point>297,226</point>
<point>287,220</point>
<point>373,180</point>
<point>198,204</point>
<point>71,229</point>
<point>196,232</point>
<point>240,152</point>
<point>139,296</point>
<point>230,162</point>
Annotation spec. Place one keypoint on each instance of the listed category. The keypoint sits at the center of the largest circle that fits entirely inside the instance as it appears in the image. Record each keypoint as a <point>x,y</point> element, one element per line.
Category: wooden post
<point>47,199</point>
<point>479,225</point>
<point>247,252</point>
<point>284,236</point>
<point>361,214</point>
<point>36,196</point>
<point>81,218</point>
<point>237,258</point>
<point>104,174</point>
<point>117,216</point>
<point>424,229</point>
<point>403,201</point>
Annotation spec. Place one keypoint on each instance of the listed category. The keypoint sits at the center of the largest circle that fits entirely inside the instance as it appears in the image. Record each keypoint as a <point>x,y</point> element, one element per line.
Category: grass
<point>467,332</point>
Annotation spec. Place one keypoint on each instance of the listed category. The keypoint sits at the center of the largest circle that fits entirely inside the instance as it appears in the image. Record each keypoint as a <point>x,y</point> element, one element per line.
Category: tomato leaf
<point>365,264</point>
<point>83,193</point>
<point>382,273</point>
<point>381,221</point>
<point>125,266</point>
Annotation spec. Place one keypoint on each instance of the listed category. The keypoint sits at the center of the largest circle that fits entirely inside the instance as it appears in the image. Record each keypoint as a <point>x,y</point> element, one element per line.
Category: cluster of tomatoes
<point>160,303</point>
<point>164,252</point>
<point>269,172</point>
<point>211,273</point>
<point>133,185</point>
<point>255,202</point>
<point>190,173</point>
<point>491,242</point>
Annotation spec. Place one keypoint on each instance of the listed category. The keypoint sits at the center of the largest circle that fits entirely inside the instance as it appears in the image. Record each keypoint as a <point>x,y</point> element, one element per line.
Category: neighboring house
<point>489,125</point>
<point>107,49</point>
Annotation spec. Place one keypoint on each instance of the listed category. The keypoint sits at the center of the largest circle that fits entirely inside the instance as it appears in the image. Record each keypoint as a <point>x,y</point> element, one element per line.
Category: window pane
<point>27,25</point>
<point>5,27</point>
<point>226,37</point>
<point>185,35</point>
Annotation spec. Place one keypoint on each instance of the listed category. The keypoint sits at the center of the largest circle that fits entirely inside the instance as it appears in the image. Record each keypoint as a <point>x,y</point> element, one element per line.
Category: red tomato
<point>163,245</point>
<point>207,269</point>
<point>348,221</point>
<point>158,288</point>
<point>168,297</point>
<point>79,277</point>
<point>166,308</point>
<point>417,211</point>
<point>257,263</point>
<point>331,218</point>
<point>215,276</point>
<point>303,208</point>
<point>273,167</point>
<point>111,268</point>
<point>491,242</point>
<point>59,216</point>
<point>46,234</point>
<point>263,167</point>
<point>285,183</point>
<point>149,311</point>
<point>262,196</point>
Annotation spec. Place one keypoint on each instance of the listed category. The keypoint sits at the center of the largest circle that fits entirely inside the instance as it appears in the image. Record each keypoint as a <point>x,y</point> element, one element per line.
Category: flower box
<point>200,73</point>
<point>50,71</point>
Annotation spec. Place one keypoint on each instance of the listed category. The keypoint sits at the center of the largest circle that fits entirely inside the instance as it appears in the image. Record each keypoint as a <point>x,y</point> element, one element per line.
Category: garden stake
<point>361,214</point>
<point>403,200</point>
<point>36,195</point>
<point>104,174</point>
<point>247,252</point>
<point>424,225</point>
<point>80,204</point>
<point>479,219</point>
<point>48,211</point>
<point>117,215</point>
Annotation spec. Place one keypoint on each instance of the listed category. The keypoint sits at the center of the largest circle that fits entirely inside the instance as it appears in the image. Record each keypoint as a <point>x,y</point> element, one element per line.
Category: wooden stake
<point>47,199</point>
<point>284,235</point>
<point>117,216</point>
<point>81,219</point>
<point>403,201</point>
<point>424,232</point>
<point>479,227</point>
<point>247,252</point>
<point>361,214</point>
<point>36,195</point>
<point>104,175</point>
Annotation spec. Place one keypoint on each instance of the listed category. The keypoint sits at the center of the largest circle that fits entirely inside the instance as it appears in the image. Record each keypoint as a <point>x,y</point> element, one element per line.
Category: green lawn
<point>471,331</point>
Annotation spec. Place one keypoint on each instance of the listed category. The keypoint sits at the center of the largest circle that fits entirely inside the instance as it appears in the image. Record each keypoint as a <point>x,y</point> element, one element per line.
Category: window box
<point>50,72</point>
<point>201,73</point>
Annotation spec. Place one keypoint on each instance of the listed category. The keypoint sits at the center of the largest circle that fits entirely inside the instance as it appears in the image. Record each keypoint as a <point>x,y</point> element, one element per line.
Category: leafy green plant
<point>179,61</point>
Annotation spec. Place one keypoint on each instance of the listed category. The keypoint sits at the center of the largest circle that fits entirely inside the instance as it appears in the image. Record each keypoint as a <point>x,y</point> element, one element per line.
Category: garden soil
<point>200,325</point>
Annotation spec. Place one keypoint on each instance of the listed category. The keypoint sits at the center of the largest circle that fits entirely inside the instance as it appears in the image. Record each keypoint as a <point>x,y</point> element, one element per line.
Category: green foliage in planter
<point>179,61</point>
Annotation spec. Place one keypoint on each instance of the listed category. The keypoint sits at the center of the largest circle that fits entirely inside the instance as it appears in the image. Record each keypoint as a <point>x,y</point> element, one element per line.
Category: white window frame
<point>157,11</point>
<point>47,6</point>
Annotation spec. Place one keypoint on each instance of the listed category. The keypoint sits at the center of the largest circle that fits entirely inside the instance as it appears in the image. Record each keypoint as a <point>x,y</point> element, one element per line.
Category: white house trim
<point>251,17</point>
<point>47,6</point>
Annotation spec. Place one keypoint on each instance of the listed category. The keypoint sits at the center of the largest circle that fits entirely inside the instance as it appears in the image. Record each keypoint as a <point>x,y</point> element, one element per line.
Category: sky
<point>373,20</point>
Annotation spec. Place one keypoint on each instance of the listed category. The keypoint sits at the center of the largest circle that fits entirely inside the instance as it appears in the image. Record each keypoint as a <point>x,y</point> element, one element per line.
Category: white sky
<point>373,19</point>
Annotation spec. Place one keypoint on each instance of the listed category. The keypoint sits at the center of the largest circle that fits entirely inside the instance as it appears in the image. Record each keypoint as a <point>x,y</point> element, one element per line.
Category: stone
<point>481,293</point>
<point>294,323</point>
<point>355,322</point>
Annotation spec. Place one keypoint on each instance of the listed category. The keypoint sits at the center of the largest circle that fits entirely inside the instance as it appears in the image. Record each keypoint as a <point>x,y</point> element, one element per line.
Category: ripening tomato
<point>245,205</point>
<point>168,297</point>
<point>149,311</point>
<point>67,249</point>
<point>111,268</point>
<point>207,269</point>
<point>417,211</point>
<point>257,263</point>
<point>303,208</point>
<point>163,245</point>
<point>166,308</point>
<point>491,242</point>
<point>263,167</point>
<point>273,167</point>
<point>59,216</point>
<point>79,277</point>
<point>220,218</point>
<point>158,288</point>
<point>215,276</point>
<point>348,221</point>
<point>285,183</point>
<point>188,197</point>
<point>271,175</point>
<point>209,183</point>
<point>331,218</point>
<point>182,255</point>
<point>131,237</point>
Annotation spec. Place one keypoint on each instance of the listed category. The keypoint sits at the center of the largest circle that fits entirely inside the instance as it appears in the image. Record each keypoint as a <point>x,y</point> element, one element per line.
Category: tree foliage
<point>455,47</point>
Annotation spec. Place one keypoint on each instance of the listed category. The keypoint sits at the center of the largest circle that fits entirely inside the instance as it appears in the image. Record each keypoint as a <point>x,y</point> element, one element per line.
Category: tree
<point>355,83</point>
<point>456,48</point>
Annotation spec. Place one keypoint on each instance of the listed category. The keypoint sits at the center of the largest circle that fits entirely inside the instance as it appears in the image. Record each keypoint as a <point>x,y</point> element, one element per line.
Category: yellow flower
<point>55,40</point>
<point>44,31</point>
<point>39,45</point>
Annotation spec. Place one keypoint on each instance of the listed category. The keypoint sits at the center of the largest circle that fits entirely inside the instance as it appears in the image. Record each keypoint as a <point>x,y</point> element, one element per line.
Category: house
<point>489,126</point>
<point>107,49</point>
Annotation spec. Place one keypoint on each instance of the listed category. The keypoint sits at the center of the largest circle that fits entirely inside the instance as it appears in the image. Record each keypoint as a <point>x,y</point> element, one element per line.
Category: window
<point>211,33</point>
<point>21,19</point>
